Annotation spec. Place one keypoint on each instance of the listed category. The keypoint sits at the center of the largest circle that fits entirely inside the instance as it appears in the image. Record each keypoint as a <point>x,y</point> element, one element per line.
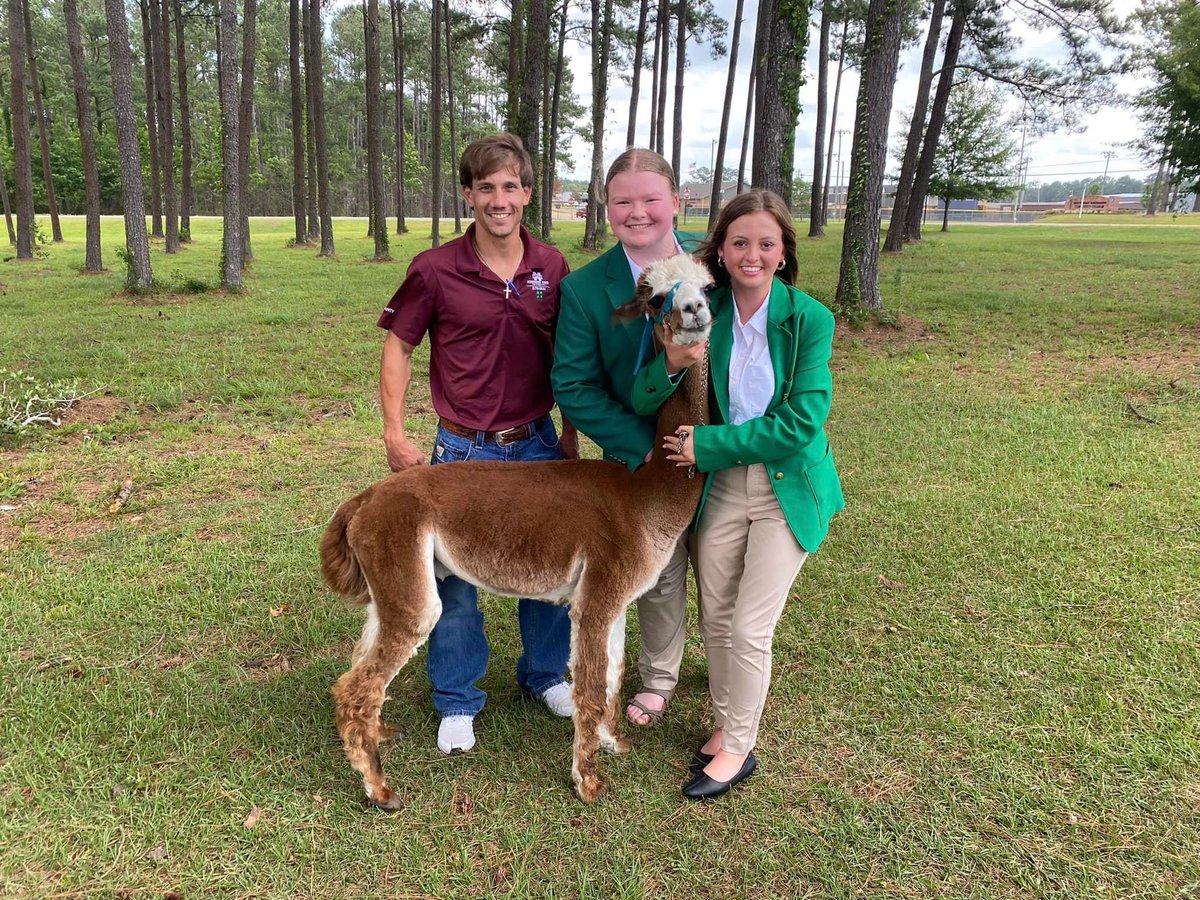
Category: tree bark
<point>299,193</point>
<point>664,14</point>
<point>160,23</point>
<point>937,118</point>
<point>777,106</point>
<point>654,67</point>
<point>187,197</point>
<point>858,281</point>
<point>148,40</point>
<point>816,227</point>
<point>680,66</point>
<point>231,239</point>
<point>310,146</point>
<point>398,60</point>
<point>638,53</point>
<point>601,31</point>
<point>833,113</point>
<point>537,38</point>
<point>87,141</point>
<point>458,229</point>
<point>552,147</point>
<point>8,219</point>
<point>718,183</point>
<point>894,242</point>
<point>43,136</point>
<point>1156,192</point>
<point>246,121</point>
<point>761,25</point>
<point>435,89</point>
<point>375,130</point>
<point>319,136</point>
<point>22,161</point>
<point>133,192</point>
<point>516,47</point>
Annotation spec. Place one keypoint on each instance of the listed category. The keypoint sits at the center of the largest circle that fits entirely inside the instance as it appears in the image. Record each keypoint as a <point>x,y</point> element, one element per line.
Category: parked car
<point>581,213</point>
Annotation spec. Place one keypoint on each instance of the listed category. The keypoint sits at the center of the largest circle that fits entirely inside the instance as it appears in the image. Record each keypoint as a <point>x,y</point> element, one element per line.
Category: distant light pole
<point>840,192</point>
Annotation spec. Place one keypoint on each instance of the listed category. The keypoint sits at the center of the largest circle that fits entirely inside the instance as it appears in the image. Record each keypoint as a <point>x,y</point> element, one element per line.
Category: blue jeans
<point>458,648</point>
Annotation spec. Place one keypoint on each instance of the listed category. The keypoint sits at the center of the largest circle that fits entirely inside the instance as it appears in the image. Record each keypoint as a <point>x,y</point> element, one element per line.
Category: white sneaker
<point>558,700</point>
<point>456,734</point>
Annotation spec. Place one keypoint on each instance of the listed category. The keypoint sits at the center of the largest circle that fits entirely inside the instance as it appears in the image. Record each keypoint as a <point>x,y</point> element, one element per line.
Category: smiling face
<point>498,200</point>
<point>753,251</point>
<point>641,206</point>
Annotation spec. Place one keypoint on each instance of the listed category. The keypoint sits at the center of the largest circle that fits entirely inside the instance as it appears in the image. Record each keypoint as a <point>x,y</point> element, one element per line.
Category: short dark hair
<point>492,153</point>
<point>742,205</point>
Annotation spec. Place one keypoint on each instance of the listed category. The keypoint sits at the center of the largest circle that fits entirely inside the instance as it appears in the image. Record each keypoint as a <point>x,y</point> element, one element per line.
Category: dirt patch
<point>97,410</point>
<point>1176,366</point>
<point>873,333</point>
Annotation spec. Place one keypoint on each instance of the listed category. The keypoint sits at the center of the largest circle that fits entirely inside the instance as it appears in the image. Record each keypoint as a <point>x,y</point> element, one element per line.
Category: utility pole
<point>840,193</point>
<point>1108,155</point>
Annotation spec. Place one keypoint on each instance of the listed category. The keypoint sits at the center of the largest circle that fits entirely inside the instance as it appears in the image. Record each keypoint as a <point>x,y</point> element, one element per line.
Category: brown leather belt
<point>507,436</point>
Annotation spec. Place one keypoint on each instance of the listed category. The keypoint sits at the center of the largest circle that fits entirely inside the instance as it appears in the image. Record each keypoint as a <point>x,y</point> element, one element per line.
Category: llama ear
<point>643,298</point>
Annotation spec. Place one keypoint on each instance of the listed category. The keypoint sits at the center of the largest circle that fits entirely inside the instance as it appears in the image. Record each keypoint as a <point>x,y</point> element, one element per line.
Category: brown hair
<point>639,159</point>
<point>492,153</point>
<point>743,205</point>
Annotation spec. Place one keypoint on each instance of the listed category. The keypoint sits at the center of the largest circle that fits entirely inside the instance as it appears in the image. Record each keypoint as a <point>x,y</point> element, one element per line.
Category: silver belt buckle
<point>511,435</point>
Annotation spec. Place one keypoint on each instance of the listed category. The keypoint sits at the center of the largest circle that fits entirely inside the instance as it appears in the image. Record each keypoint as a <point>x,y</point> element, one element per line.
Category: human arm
<point>395,374</point>
<point>582,391</point>
<point>568,440</point>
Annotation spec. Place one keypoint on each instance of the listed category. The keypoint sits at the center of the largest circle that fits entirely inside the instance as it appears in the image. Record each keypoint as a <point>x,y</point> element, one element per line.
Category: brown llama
<point>601,537</point>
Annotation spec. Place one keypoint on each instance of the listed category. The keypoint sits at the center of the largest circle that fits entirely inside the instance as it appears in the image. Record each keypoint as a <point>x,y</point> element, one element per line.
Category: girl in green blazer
<point>772,486</point>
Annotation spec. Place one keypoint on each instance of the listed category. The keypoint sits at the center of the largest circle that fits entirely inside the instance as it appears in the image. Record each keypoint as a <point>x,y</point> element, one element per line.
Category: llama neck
<point>666,486</point>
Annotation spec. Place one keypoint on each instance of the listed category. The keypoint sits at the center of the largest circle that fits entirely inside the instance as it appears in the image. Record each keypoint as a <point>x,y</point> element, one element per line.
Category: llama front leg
<point>358,701</point>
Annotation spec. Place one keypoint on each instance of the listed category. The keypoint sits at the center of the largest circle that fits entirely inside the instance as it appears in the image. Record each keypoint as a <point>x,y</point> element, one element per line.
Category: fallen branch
<point>1141,415</point>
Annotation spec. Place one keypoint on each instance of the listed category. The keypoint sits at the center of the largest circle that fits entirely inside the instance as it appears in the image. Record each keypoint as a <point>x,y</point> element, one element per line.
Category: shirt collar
<point>756,325</point>
<point>635,269</point>
<point>469,261</point>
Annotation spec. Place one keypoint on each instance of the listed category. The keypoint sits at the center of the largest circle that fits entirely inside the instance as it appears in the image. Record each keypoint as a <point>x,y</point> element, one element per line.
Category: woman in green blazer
<point>772,486</point>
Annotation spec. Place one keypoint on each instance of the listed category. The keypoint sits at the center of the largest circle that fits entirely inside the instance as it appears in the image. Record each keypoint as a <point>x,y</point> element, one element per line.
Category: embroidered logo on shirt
<point>539,283</point>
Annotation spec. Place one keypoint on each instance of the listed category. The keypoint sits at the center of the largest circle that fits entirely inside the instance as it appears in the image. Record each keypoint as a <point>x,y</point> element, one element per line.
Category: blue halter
<point>651,321</point>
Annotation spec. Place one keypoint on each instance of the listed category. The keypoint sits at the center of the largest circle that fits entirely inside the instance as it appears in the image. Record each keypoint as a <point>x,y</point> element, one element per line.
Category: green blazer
<point>594,358</point>
<point>789,438</point>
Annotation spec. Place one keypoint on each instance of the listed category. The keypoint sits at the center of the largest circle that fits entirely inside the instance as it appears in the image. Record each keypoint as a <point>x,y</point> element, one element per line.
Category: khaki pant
<point>746,561</point>
<point>661,612</point>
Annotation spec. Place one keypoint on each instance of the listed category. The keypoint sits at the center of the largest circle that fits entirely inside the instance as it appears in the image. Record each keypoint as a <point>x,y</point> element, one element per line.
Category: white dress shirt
<point>751,377</point>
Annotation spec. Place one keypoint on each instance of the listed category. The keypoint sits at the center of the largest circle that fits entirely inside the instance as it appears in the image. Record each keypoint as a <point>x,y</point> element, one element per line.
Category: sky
<point>1068,154</point>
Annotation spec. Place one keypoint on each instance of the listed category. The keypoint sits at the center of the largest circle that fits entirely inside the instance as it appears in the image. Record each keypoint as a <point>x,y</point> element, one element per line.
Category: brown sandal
<point>654,715</point>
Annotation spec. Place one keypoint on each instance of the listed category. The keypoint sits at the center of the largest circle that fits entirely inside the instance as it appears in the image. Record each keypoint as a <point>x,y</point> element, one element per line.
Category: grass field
<point>987,684</point>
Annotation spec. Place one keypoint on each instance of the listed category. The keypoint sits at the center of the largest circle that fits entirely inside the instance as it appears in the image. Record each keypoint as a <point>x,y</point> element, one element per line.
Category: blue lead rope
<point>651,321</point>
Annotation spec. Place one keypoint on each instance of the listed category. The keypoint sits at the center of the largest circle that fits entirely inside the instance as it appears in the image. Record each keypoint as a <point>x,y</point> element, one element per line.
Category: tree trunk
<point>515,68</point>
<point>458,229</point>
<point>299,194</point>
<point>946,214</point>
<point>680,66</point>
<point>777,106</point>
<point>187,198</point>
<point>937,117</point>
<point>664,14</point>
<point>133,192</point>
<point>816,227</point>
<point>638,53</point>
<point>398,60</point>
<point>718,183</point>
<point>148,39</point>
<point>435,89</point>
<point>375,130</point>
<point>537,39</point>
<point>160,23</point>
<point>654,66</point>
<point>1156,192</point>
<point>43,136</point>
<point>87,143</point>
<point>837,93</point>
<point>552,150</point>
<point>319,136</point>
<point>231,240</point>
<point>601,31</point>
<point>894,242</point>
<point>22,161</point>
<point>246,122</point>
<point>761,25</point>
<point>8,219</point>
<point>310,146</point>
<point>858,281</point>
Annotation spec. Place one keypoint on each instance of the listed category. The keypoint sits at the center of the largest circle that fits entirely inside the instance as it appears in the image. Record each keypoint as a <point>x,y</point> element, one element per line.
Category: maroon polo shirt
<point>490,355</point>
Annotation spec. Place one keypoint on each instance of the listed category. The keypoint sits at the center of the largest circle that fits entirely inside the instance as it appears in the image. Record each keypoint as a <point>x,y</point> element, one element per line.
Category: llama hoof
<point>589,788</point>
<point>621,745</point>
<point>387,800</point>
<point>390,732</point>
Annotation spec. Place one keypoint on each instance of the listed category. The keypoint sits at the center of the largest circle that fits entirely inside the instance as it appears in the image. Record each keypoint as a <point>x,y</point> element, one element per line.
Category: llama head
<point>674,291</point>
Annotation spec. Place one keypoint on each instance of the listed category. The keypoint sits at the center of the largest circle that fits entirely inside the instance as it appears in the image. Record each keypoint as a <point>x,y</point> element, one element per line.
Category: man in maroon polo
<point>489,302</point>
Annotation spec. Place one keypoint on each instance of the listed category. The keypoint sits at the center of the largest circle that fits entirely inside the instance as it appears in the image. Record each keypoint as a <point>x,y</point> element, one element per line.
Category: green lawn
<point>987,683</point>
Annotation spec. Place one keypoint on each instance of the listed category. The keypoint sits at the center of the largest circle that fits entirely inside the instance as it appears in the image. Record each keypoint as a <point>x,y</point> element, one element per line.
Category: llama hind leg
<point>590,672</point>
<point>610,728</point>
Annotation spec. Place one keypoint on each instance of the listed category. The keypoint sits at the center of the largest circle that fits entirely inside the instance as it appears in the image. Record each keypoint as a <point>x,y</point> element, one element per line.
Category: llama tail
<point>339,565</point>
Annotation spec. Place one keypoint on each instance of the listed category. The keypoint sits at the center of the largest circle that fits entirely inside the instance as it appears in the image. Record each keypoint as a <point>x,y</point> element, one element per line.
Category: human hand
<point>401,452</point>
<point>680,448</point>
<point>681,356</point>
<point>568,443</point>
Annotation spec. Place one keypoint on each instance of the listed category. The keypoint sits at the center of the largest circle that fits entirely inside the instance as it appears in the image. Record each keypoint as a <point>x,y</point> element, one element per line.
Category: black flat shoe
<point>702,787</point>
<point>699,760</point>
